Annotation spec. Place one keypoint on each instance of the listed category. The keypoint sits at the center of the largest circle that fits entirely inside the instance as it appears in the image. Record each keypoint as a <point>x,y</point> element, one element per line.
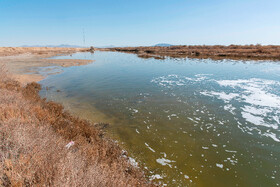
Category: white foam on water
<point>257,120</point>
<point>230,151</point>
<point>220,95</point>
<point>231,160</point>
<point>255,91</point>
<point>201,77</point>
<point>229,108</point>
<point>256,111</point>
<point>164,162</point>
<point>156,176</point>
<point>133,162</point>
<point>177,80</point>
<point>186,176</point>
<point>189,79</point>
<point>150,147</point>
<point>219,165</point>
<point>260,107</point>
<point>164,154</point>
<point>172,115</point>
<point>277,118</point>
<point>192,120</point>
<point>169,81</point>
<point>272,135</point>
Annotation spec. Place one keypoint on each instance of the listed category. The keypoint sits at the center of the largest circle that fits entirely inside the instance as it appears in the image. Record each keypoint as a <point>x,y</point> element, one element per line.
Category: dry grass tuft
<point>33,136</point>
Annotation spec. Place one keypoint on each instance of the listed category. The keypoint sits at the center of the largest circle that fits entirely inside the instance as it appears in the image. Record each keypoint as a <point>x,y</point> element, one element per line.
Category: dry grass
<point>33,135</point>
<point>257,52</point>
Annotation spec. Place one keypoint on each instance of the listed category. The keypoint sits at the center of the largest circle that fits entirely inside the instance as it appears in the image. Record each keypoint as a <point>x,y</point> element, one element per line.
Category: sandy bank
<point>23,62</point>
<point>11,51</point>
<point>238,52</point>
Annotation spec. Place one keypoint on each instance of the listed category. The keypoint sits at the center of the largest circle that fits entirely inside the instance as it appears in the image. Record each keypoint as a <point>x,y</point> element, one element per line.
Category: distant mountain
<point>163,45</point>
<point>62,46</point>
<point>106,46</point>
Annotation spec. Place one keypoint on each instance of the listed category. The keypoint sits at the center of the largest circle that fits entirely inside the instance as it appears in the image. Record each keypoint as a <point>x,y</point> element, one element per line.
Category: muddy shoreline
<point>217,52</point>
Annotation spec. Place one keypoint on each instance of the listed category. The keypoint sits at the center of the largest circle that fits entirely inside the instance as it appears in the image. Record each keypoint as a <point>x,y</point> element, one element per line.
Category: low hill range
<point>61,46</point>
<point>163,45</point>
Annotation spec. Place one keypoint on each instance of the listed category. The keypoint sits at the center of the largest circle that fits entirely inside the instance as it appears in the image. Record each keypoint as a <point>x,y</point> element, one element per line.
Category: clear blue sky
<point>135,22</point>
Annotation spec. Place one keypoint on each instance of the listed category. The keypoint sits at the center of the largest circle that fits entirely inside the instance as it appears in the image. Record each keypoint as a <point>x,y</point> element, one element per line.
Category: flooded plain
<point>186,122</point>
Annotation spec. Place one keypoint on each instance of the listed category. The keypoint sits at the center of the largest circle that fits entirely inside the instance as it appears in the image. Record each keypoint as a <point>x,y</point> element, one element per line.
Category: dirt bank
<point>11,51</point>
<point>24,62</point>
<point>33,152</point>
<point>239,52</point>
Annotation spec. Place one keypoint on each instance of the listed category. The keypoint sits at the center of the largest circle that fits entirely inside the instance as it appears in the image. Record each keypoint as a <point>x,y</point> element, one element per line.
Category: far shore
<point>216,52</point>
<point>22,62</point>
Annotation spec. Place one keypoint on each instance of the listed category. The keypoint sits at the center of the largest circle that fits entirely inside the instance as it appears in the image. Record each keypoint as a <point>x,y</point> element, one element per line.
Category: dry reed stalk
<point>34,133</point>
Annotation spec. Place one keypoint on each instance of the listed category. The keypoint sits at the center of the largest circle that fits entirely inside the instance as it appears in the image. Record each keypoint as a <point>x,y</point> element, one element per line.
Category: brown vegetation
<point>34,134</point>
<point>255,52</point>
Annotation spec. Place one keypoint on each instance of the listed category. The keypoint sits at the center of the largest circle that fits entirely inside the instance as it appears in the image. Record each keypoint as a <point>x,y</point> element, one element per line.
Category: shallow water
<point>186,121</point>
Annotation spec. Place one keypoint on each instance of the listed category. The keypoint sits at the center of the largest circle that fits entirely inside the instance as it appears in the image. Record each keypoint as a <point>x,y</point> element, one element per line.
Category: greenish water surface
<point>187,122</point>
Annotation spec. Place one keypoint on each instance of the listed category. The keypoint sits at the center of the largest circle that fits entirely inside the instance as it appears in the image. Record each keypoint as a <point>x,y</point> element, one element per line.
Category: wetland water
<point>188,122</point>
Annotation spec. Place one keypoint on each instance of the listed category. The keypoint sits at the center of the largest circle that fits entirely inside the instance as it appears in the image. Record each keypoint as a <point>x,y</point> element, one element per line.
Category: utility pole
<point>84,37</point>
